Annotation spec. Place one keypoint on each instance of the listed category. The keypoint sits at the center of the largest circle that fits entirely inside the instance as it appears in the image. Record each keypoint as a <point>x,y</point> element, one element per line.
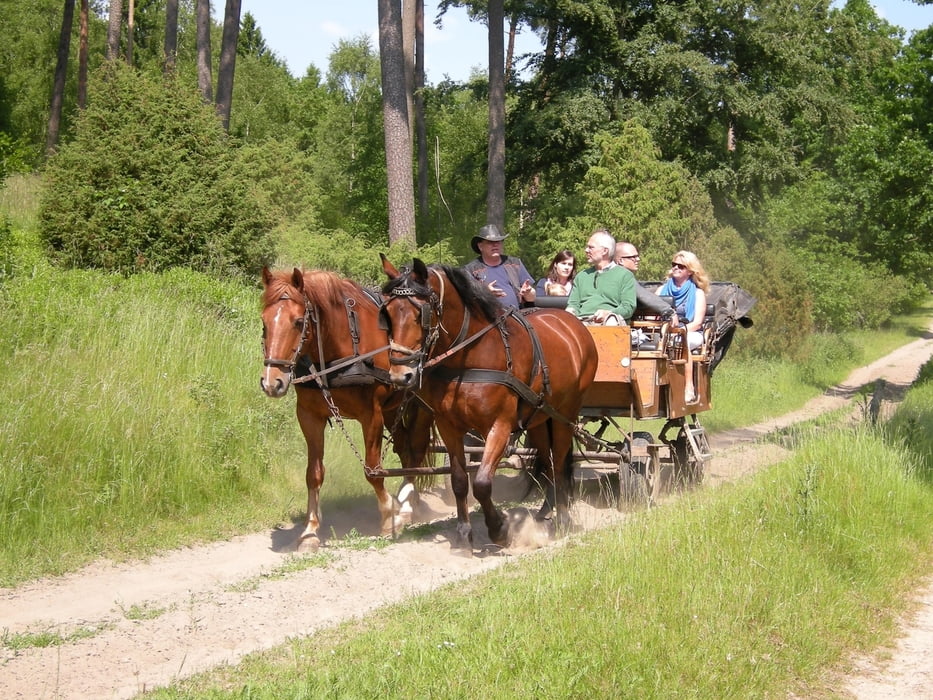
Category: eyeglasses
<point>629,257</point>
<point>678,266</point>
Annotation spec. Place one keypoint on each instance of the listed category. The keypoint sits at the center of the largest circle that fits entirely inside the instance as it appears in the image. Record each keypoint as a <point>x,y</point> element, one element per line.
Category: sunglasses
<point>630,257</point>
<point>678,266</point>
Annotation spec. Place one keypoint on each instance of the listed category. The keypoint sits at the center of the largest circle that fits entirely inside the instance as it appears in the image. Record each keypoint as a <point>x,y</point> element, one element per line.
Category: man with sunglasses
<point>647,301</point>
<point>605,292</point>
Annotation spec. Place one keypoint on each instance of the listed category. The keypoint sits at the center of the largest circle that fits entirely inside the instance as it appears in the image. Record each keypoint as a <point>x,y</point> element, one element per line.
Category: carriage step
<point>699,444</point>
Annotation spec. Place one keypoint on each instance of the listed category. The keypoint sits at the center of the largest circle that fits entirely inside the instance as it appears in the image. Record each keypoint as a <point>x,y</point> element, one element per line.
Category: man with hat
<point>505,277</point>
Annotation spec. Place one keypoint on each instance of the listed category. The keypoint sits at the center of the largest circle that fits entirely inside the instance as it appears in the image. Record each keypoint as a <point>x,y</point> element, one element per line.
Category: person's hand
<point>527,290</point>
<point>601,315</point>
<point>496,290</point>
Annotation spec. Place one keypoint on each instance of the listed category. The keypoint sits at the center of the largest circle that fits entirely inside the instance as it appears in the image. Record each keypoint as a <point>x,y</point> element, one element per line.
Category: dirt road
<point>141,625</point>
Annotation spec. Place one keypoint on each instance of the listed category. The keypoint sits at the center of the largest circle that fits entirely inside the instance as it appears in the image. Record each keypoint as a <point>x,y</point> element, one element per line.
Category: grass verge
<point>750,591</point>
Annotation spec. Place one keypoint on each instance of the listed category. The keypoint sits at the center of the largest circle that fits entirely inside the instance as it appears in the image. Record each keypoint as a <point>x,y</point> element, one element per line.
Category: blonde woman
<point>688,284</point>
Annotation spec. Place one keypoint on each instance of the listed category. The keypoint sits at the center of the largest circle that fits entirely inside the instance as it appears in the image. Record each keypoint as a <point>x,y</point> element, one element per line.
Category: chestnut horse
<point>326,328</point>
<point>481,367</point>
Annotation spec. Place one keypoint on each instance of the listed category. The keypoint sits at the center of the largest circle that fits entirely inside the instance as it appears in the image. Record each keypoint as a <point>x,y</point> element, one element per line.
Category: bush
<point>151,182</point>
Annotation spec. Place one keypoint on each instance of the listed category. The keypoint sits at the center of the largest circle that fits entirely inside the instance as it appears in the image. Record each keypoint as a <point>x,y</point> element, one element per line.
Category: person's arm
<point>650,303</point>
<point>699,311</point>
<point>625,305</point>
<point>573,301</point>
<point>526,291</point>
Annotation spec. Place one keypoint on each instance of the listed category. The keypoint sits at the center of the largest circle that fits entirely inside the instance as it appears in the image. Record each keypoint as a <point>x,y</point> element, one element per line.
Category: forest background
<point>789,147</point>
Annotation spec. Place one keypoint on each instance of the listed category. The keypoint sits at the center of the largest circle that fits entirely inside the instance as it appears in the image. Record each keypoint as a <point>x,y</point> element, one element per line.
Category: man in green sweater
<point>605,292</point>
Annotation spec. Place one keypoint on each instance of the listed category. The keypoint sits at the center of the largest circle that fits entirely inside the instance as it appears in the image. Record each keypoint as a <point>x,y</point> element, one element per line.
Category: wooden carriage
<point>641,377</point>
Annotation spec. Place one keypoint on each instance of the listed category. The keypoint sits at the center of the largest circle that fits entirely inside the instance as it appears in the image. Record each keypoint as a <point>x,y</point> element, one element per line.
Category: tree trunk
<point>510,50</point>
<point>113,29</point>
<point>170,48</point>
<point>395,124</point>
<point>227,61</point>
<point>61,70</point>
<point>495,192</point>
<point>82,55</point>
<point>420,129</point>
<point>408,51</point>
<point>205,78</point>
<point>130,31</point>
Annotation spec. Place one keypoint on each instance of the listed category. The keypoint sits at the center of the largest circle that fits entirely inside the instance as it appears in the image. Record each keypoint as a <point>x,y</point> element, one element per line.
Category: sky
<point>305,32</point>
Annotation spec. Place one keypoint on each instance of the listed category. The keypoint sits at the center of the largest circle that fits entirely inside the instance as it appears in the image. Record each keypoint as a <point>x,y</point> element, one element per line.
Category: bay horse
<point>325,328</point>
<point>482,367</point>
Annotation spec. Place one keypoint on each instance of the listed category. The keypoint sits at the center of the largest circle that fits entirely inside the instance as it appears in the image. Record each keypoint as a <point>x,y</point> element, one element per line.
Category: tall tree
<point>227,65</point>
<point>130,31</point>
<point>203,21</point>
<point>82,55</point>
<point>401,193</point>
<point>61,69</point>
<point>113,29</point>
<point>420,129</point>
<point>171,36</point>
<point>495,193</point>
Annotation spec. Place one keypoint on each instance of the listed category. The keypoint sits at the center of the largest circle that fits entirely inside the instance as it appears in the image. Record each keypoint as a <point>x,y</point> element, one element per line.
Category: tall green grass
<point>134,419</point>
<point>753,591</point>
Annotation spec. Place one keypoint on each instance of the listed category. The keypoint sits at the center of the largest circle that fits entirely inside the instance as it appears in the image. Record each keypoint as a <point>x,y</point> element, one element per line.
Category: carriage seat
<point>649,329</point>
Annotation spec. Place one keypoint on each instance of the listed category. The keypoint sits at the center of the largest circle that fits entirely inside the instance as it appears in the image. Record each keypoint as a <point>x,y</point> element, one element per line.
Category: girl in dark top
<point>559,279</point>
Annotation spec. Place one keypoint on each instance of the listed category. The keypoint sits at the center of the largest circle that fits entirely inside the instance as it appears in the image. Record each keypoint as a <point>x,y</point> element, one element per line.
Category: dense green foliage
<point>149,183</point>
<point>790,149</point>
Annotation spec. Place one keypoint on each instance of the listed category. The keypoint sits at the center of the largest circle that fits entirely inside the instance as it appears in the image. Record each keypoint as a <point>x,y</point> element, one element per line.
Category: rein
<point>476,375</point>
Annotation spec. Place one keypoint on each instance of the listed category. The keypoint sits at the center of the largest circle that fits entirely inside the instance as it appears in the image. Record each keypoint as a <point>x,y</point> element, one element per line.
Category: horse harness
<point>354,370</point>
<point>434,308</point>
<point>348,371</point>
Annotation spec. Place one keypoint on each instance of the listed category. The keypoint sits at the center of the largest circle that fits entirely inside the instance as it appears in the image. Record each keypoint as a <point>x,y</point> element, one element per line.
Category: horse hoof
<point>500,536</point>
<point>308,544</point>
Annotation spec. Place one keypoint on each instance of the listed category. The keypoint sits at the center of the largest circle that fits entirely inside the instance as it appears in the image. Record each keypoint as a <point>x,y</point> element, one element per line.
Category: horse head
<point>410,313</point>
<point>285,325</point>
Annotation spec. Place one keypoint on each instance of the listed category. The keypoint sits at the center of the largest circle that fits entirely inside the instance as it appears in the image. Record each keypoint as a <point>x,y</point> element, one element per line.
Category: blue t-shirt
<point>484,274</point>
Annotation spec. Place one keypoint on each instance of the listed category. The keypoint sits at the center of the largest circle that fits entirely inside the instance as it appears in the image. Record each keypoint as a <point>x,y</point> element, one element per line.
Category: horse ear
<point>298,278</point>
<point>388,267</point>
<point>266,275</point>
<point>420,269</point>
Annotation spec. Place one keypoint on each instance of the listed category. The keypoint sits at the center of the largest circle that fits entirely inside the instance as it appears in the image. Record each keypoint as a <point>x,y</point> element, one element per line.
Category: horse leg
<point>462,542</point>
<point>497,524</point>
<point>372,439</point>
<point>411,441</point>
<point>561,447</point>
<point>539,437</point>
<point>313,431</point>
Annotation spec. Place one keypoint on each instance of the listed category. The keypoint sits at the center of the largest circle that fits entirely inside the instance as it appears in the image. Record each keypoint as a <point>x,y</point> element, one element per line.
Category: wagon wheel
<point>689,451</point>
<point>639,482</point>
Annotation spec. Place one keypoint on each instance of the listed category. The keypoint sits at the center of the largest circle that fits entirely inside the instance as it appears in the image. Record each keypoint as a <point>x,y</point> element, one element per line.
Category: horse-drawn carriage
<point>534,390</point>
<point>641,376</point>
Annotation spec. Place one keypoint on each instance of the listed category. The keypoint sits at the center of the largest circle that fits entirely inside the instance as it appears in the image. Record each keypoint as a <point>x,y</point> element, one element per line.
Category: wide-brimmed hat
<point>489,232</point>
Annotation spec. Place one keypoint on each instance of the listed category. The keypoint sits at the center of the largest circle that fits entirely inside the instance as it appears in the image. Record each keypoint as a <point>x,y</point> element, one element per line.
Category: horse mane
<point>475,297</point>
